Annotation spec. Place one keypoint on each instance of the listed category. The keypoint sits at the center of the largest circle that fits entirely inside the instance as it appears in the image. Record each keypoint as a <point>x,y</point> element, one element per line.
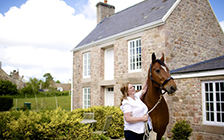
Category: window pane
<point>207,106</point>
<point>211,107</point>
<point>206,87</point>
<point>222,86</point>
<point>222,107</point>
<point>218,107</point>
<point>211,97</point>
<point>207,116</point>
<point>211,87</point>
<point>217,97</point>
<point>222,96</point>
<point>217,86</point>
<point>212,116</point>
<point>218,117</point>
<point>206,97</point>
<point>222,117</point>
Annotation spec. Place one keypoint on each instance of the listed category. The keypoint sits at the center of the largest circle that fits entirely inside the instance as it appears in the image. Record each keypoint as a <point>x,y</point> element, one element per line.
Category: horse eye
<point>157,71</point>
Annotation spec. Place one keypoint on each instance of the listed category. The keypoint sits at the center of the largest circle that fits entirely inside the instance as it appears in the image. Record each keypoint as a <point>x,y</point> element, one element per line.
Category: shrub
<point>7,88</point>
<point>181,130</point>
<point>116,129</point>
<point>59,124</point>
<point>6,103</point>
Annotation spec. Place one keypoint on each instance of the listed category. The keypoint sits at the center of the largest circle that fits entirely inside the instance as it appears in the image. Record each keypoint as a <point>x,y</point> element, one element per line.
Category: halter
<point>160,85</point>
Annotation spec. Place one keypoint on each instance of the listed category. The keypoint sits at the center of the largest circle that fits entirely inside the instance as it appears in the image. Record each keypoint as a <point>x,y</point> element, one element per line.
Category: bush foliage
<point>59,124</point>
<point>181,131</point>
<point>6,103</point>
<point>7,88</point>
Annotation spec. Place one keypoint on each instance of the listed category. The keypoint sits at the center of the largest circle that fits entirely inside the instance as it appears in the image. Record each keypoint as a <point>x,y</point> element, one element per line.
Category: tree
<point>57,81</point>
<point>48,79</point>
<point>7,88</point>
<point>32,87</point>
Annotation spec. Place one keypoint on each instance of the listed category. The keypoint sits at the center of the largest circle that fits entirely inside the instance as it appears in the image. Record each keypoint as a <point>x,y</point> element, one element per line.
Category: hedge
<point>59,124</point>
<point>6,103</point>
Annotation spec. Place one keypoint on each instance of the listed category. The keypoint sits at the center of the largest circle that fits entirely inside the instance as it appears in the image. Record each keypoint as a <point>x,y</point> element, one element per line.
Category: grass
<point>44,102</point>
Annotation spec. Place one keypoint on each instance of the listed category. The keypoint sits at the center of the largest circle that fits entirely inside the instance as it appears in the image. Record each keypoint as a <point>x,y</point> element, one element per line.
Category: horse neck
<point>152,95</point>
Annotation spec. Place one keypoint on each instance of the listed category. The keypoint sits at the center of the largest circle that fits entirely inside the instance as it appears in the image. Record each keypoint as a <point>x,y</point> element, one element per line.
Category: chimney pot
<point>105,1</point>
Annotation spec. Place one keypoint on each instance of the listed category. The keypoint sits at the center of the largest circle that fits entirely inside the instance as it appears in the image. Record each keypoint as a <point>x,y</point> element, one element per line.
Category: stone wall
<point>187,104</point>
<point>193,34</point>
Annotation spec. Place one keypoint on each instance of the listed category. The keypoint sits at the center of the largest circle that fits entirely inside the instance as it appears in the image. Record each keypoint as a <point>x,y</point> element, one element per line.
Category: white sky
<point>36,38</point>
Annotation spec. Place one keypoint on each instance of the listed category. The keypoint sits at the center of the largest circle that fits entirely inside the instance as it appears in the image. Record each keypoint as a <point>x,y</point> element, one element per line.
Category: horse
<point>159,82</point>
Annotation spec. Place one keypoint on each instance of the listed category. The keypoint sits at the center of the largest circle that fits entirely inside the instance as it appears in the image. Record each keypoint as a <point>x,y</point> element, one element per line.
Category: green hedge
<point>6,103</point>
<point>59,124</point>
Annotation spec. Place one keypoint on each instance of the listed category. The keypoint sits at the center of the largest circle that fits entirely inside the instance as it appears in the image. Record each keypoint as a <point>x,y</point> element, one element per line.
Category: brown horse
<point>159,82</point>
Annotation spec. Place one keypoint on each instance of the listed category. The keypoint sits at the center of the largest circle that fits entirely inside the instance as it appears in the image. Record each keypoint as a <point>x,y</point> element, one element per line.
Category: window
<point>213,102</point>
<point>135,57</point>
<point>86,65</point>
<point>86,98</point>
<point>138,87</point>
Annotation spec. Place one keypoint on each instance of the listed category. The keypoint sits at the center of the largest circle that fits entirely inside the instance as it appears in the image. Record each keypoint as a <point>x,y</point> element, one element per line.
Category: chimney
<point>104,10</point>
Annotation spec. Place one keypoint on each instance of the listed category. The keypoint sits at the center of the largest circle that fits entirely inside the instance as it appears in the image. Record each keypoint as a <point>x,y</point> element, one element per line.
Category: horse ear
<point>162,58</point>
<point>153,58</point>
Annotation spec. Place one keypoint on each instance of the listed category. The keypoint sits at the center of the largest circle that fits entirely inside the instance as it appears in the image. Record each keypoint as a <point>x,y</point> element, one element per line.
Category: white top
<point>138,109</point>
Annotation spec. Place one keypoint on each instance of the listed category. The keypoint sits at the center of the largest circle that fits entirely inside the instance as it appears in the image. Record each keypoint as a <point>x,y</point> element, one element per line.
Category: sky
<point>37,36</point>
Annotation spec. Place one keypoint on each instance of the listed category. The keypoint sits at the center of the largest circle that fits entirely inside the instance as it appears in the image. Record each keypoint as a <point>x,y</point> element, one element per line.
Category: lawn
<point>44,102</point>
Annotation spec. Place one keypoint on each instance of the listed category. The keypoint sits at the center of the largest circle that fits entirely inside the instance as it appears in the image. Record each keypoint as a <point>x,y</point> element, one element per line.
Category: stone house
<point>119,50</point>
<point>14,77</point>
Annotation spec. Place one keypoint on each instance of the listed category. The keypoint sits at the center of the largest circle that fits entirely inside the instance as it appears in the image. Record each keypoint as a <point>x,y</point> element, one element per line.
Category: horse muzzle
<point>170,89</point>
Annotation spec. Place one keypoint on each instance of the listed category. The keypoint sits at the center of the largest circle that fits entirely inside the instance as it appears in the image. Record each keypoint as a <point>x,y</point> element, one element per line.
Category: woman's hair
<point>124,91</point>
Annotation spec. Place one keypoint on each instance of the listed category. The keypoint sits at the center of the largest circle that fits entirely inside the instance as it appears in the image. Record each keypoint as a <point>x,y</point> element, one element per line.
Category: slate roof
<point>212,64</point>
<point>137,15</point>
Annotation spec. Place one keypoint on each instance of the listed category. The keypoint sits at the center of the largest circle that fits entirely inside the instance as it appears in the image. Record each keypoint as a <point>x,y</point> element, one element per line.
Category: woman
<point>135,112</point>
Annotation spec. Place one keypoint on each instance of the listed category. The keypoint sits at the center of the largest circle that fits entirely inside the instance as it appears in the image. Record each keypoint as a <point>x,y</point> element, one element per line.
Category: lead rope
<point>147,131</point>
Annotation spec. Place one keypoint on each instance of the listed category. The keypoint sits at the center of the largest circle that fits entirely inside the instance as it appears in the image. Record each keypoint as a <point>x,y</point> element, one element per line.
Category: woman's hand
<point>128,117</point>
<point>145,118</point>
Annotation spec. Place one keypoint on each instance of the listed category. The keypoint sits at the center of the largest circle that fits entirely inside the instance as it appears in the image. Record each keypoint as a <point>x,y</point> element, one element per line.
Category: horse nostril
<point>172,88</point>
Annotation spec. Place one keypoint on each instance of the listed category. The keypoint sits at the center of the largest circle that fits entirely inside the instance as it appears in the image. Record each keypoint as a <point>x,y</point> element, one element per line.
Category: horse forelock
<point>160,62</point>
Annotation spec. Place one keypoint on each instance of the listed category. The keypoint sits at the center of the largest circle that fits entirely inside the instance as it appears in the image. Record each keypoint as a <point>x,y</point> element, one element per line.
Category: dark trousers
<point>129,135</point>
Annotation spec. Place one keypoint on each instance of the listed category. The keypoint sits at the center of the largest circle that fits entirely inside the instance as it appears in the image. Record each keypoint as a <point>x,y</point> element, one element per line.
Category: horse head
<point>160,76</point>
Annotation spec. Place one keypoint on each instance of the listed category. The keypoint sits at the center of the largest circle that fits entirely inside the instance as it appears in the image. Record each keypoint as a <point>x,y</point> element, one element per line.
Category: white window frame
<point>86,97</point>
<point>86,65</point>
<point>209,99</point>
<point>134,54</point>
<point>138,86</point>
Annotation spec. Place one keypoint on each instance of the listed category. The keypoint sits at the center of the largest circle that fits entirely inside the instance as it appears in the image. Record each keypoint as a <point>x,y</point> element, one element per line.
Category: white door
<point>109,64</point>
<point>109,96</point>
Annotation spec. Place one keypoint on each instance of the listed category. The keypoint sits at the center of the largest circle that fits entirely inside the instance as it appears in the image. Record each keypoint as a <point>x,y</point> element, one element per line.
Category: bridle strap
<point>160,85</point>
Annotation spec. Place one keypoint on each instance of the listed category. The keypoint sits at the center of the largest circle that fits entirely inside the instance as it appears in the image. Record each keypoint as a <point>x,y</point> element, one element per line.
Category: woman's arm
<point>128,118</point>
<point>145,87</point>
